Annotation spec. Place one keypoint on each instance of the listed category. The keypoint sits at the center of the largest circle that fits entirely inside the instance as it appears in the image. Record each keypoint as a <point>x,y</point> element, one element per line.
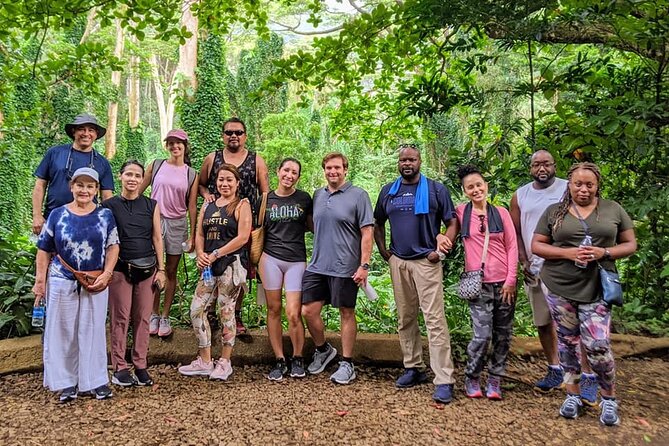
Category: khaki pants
<point>418,284</point>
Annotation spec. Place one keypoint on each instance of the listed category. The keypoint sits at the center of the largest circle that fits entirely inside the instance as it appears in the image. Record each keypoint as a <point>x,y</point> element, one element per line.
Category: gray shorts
<point>537,296</point>
<point>175,232</point>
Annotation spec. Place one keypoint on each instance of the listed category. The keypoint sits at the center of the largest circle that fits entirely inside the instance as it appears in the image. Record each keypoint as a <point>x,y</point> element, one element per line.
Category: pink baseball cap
<point>178,134</point>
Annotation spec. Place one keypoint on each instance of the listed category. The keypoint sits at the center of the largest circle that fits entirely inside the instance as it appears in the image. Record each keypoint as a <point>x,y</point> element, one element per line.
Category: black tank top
<point>219,228</point>
<point>248,187</point>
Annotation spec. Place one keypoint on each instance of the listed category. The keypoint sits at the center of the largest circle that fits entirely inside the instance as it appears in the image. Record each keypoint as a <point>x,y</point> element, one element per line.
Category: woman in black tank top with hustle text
<point>131,289</point>
<point>223,228</point>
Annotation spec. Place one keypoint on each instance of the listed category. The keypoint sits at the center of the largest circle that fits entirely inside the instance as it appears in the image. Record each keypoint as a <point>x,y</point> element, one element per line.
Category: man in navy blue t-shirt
<point>55,171</point>
<point>416,207</point>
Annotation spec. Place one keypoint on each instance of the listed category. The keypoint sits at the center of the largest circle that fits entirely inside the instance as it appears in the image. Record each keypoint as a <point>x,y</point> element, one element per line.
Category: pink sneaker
<point>222,371</point>
<point>197,368</point>
<point>154,323</point>
<point>165,327</point>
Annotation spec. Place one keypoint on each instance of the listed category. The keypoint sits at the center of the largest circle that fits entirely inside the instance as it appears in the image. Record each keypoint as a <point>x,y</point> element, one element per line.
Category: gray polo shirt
<point>338,218</point>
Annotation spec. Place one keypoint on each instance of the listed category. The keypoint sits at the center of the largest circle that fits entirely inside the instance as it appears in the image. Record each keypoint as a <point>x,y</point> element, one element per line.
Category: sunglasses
<point>407,146</point>
<point>68,164</point>
<point>482,225</point>
<point>234,132</point>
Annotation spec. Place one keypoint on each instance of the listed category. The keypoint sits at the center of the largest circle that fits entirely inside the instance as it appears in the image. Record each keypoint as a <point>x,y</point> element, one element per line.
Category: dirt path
<point>251,410</point>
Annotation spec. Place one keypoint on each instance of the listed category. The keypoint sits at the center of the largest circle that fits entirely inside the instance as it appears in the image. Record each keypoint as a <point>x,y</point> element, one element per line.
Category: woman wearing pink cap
<point>174,186</point>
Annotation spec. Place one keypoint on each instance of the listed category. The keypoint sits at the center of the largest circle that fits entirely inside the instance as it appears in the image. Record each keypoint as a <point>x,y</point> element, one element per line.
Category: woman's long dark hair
<point>230,208</point>
<point>566,201</point>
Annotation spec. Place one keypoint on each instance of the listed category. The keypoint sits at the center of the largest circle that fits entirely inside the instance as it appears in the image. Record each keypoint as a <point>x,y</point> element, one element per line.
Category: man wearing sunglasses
<point>252,170</point>
<point>527,205</point>
<point>416,207</point>
<point>60,162</point>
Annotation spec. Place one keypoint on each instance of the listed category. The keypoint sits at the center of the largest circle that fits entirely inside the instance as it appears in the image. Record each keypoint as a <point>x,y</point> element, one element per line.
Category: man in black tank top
<point>253,173</point>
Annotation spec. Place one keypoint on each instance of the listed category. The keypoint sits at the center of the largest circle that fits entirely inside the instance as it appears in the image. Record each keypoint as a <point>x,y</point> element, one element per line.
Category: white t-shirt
<point>532,204</point>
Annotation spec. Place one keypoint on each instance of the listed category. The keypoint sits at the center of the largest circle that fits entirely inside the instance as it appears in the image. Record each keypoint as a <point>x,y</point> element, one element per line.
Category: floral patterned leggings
<point>225,293</point>
<point>589,323</point>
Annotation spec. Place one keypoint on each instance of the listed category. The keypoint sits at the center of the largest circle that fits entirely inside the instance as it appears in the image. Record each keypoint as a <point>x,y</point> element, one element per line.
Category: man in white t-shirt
<point>527,205</point>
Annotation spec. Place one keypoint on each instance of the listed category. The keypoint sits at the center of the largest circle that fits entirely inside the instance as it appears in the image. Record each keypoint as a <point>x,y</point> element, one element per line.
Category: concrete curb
<point>20,355</point>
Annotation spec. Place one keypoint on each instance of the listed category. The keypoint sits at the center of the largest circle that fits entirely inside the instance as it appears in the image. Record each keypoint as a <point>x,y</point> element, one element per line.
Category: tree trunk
<point>133,92</point>
<point>165,123</point>
<point>112,110</point>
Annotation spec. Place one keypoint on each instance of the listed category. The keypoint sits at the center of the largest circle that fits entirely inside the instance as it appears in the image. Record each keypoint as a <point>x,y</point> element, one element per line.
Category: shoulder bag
<point>258,234</point>
<point>471,282</point>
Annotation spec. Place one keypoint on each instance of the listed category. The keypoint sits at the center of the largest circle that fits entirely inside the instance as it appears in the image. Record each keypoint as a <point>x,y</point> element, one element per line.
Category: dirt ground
<point>251,410</point>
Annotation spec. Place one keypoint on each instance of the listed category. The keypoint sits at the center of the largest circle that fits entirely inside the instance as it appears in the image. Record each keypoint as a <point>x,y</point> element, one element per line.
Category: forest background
<point>486,82</point>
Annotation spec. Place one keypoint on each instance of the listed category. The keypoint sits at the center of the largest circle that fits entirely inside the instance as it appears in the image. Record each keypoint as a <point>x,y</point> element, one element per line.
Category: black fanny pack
<point>137,270</point>
<point>221,264</point>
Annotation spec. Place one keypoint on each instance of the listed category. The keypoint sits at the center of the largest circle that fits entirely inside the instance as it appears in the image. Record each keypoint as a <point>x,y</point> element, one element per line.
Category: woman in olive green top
<point>571,277</point>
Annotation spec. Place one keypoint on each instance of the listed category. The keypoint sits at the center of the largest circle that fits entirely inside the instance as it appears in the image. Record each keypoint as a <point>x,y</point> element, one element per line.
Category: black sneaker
<point>142,377</point>
<point>280,369</point>
<point>103,392</point>
<point>297,367</point>
<point>123,378</point>
<point>68,394</point>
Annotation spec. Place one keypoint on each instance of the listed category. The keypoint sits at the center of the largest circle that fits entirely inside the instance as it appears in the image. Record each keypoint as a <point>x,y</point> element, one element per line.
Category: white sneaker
<point>154,322</point>
<point>197,368</point>
<point>165,328</point>
<point>222,371</point>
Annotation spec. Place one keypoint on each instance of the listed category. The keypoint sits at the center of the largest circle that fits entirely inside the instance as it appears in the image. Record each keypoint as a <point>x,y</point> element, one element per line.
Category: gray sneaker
<point>344,374</point>
<point>321,360</point>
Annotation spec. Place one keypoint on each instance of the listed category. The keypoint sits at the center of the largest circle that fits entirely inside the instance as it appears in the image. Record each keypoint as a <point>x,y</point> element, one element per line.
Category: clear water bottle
<point>442,255</point>
<point>39,311</point>
<point>207,277</point>
<point>32,238</point>
<point>587,241</point>
<point>186,248</point>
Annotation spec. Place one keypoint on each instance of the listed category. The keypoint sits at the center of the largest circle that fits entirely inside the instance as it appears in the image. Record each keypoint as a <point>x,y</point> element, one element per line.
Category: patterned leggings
<point>225,293</point>
<point>588,323</point>
<point>492,319</point>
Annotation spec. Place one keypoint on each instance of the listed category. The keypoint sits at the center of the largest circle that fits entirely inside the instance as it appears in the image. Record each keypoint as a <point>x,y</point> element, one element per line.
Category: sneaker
<point>572,406</point>
<point>68,394</point>
<point>493,390</point>
<point>123,378</point>
<point>222,371</point>
<point>321,360</point>
<point>103,392</point>
<point>443,393</point>
<point>154,323</point>
<point>241,329</point>
<point>297,367</point>
<point>197,368</point>
<point>344,374</point>
<point>165,327</point>
<point>552,380</point>
<point>589,387</point>
<point>280,369</point>
<point>143,378</point>
<point>473,387</point>
<point>609,415</point>
<point>411,377</point>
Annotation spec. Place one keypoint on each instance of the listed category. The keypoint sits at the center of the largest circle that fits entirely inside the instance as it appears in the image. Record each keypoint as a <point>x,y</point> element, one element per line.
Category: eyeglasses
<point>538,164</point>
<point>234,132</point>
<point>407,146</point>
<point>482,225</point>
<point>68,164</point>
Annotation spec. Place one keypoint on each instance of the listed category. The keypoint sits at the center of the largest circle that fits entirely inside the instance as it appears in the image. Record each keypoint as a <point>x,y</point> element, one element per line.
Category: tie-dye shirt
<point>81,240</point>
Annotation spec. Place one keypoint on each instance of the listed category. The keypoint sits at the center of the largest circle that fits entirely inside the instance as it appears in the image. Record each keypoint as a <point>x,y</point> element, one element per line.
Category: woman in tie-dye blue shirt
<point>85,237</point>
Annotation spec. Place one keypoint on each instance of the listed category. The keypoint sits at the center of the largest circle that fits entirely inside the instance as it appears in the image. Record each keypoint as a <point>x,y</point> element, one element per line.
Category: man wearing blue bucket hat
<point>55,171</point>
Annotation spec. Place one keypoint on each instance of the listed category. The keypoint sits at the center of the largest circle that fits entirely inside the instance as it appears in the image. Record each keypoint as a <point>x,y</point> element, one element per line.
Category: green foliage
<point>17,259</point>
<point>135,149</point>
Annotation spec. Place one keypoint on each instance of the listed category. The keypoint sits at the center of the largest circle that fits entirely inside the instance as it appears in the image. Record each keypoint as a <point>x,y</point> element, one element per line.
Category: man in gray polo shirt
<point>343,233</point>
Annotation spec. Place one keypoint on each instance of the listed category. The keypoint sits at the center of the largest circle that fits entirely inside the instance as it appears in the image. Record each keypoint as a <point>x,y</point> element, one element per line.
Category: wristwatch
<point>607,255</point>
<point>365,266</point>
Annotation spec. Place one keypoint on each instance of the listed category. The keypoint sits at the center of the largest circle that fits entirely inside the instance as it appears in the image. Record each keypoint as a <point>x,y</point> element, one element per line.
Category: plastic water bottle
<point>186,248</point>
<point>207,277</point>
<point>370,292</point>
<point>587,241</point>
<point>32,238</point>
<point>39,312</point>
<point>442,255</point>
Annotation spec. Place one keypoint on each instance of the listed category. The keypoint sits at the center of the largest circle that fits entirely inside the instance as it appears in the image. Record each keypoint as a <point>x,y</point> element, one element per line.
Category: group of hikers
<point>125,251</point>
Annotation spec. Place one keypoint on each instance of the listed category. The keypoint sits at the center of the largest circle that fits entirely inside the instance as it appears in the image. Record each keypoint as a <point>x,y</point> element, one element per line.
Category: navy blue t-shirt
<point>413,236</point>
<point>55,170</point>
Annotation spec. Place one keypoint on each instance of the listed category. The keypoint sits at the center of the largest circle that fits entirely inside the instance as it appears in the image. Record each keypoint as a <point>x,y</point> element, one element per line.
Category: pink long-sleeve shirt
<point>502,261</point>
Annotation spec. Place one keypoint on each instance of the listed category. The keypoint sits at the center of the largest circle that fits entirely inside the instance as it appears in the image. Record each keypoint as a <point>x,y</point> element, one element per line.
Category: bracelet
<point>161,270</point>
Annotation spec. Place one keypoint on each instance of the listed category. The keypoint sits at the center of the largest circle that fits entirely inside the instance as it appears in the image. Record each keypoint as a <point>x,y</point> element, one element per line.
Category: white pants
<point>75,344</point>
